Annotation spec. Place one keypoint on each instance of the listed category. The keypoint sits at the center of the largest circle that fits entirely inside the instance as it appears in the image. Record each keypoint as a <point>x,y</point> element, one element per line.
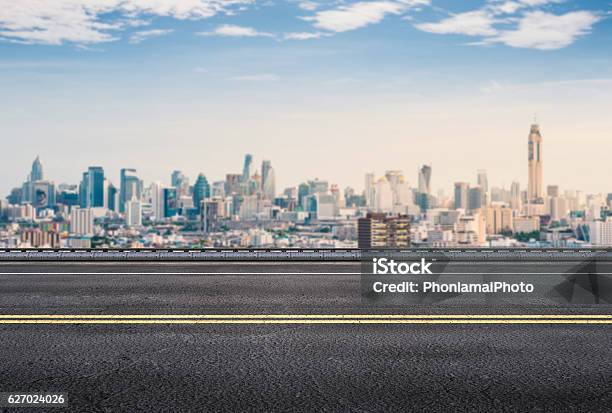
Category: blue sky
<point>331,89</point>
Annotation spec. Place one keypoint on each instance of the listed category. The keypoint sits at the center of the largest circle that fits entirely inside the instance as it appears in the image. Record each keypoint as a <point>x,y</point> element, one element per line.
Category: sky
<point>323,89</point>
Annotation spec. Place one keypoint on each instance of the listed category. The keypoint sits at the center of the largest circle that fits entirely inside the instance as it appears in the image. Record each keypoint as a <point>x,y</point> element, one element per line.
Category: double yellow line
<point>307,319</point>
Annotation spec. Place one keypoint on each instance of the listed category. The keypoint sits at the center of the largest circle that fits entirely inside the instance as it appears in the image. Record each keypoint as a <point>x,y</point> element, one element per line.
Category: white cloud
<point>88,21</point>
<point>472,23</point>
<point>231,30</point>
<point>357,15</point>
<point>304,35</point>
<point>261,77</point>
<point>308,5</point>
<point>508,7</point>
<point>139,37</point>
<point>546,31</point>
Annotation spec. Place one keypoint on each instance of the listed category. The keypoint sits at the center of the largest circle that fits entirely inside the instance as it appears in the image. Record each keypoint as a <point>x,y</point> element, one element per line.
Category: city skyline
<point>414,181</point>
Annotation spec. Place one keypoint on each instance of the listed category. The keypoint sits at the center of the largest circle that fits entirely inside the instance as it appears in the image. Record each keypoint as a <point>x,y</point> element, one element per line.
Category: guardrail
<point>468,254</point>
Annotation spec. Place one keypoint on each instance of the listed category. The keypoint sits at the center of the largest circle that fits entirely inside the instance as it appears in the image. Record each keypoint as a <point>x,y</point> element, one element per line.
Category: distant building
<point>498,218</point>
<point>246,168</point>
<point>424,190</point>
<point>268,180</point>
<point>133,213</point>
<point>130,187</point>
<point>535,186</point>
<point>601,232</point>
<point>378,230</point>
<point>170,202</point>
<point>36,238</point>
<point>526,224</point>
<point>201,191</point>
<point>462,195</point>
<point>95,187</point>
<point>82,221</point>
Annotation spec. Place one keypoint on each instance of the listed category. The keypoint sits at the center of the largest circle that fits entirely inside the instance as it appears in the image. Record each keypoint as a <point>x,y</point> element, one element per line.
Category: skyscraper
<point>370,189</point>
<point>483,181</point>
<point>423,196</point>
<point>246,169</point>
<point>535,186</point>
<point>268,180</point>
<point>201,191</point>
<point>133,213</point>
<point>95,187</point>
<point>130,186</point>
<point>84,191</point>
<point>462,195</point>
<point>111,197</point>
<point>170,202</point>
<point>37,170</point>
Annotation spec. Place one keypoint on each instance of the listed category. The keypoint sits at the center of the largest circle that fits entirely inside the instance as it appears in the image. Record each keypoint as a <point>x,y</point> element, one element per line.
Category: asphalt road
<point>280,367</point>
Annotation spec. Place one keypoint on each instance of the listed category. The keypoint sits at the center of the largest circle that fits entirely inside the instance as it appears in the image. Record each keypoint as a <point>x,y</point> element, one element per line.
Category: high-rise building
<point>462,195</point>
<point>424,192</point>
<point>170,202</point>
<point>383,200</point>
<point>111,197</point>
<point>303,192</point>
<point>133,213</point>
<point>180,181</point>
<point>600,232</point>
<point>535,186</point>
<point>201,191</point>
<point>268,180</point>
<point>483,181</point>
<point>498,218</point>
<point>232,184</point>
<point>246,168</point>
<point>37,171</point>
<point>515,196</point>
<point>425,179</point>
<point>370,189</point>
<point>81,221</point>
<point>378,230</point>
<point>95,187</point>
<point>476,199</point>
<point>83,190</point>
<point>156,199</point>
<point>326,206</point>
<point>176,179</point>
<point>130,187</point>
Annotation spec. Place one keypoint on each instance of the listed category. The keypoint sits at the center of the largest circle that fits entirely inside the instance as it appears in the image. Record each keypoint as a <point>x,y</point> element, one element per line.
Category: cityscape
<point>247,210</point>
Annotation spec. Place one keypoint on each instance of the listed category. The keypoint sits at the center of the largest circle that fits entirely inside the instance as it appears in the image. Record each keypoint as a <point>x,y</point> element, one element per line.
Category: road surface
<point>216,358</point>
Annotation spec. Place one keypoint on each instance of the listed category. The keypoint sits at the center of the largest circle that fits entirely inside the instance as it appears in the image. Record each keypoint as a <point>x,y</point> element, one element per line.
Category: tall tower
<point>246,169</point>
<point>37,170</point>
<point>535,186</point>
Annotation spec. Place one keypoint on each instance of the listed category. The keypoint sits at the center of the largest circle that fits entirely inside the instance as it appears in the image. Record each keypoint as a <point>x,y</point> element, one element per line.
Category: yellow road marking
<point>306,321</point>
<point>305,316</point>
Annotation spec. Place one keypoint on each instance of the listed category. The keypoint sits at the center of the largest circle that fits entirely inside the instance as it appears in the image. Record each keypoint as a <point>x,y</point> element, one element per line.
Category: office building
<point>130,187</point>
<point>462,195</point>
<point>201,191</point>
<point>378,230</point>
<point>94,187</point>
<point>268,180</point>
<point>82,222</point>
<point>133,213</point>
<point>246,168</point>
